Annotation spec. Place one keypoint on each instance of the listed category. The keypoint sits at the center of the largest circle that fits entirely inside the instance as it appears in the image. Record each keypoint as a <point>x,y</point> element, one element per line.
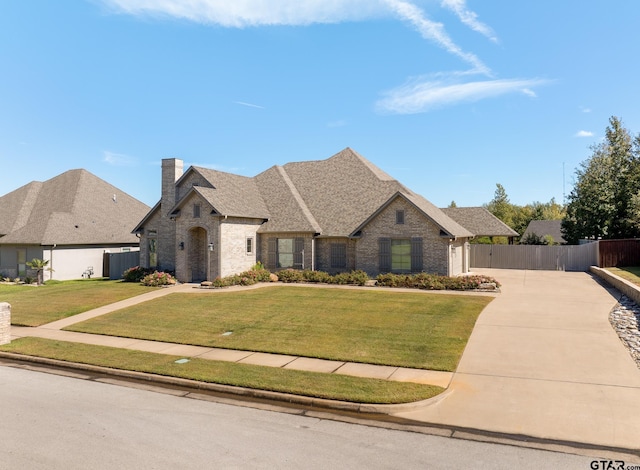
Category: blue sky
<point>449,97</point>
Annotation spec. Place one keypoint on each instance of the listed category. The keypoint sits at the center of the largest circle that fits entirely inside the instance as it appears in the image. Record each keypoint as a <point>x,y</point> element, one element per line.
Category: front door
<point>198,254</point>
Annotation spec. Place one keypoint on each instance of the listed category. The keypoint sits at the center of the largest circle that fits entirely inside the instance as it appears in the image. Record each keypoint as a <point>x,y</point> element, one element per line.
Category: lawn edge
<point>242,392</point>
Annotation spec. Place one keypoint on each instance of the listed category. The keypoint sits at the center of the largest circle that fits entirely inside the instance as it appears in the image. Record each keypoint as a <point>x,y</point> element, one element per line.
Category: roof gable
<point>480,221</point>
<point>230,195</point>
<point>448,227</point>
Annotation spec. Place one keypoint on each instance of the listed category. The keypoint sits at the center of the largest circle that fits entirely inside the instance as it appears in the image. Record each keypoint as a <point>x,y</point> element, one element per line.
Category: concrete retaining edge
<point>627,288</point>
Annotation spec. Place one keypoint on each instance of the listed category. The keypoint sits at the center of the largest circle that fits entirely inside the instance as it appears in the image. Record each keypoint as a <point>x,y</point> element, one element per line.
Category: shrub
<point>434,281</point>
<point>358,278</point>
<point>157,278</point>
<point>135,274</point>
<point>290,275</point>
<point>316,276</point>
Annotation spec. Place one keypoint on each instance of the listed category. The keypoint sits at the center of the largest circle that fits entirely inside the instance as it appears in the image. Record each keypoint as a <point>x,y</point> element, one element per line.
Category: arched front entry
<point>197,257</point>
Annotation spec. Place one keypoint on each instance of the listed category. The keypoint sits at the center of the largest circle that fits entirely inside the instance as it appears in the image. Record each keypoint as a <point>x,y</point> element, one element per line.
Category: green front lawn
<point>313,384</point>
<point>36,305</point>
<point>419,330</point>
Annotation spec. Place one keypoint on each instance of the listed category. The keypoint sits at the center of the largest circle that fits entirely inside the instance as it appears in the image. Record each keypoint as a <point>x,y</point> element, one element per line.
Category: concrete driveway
<point>544,361</point>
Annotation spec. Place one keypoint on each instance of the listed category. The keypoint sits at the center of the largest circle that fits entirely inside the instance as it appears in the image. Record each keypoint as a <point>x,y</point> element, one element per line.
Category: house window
<point>286,253</point>
<point>22,262</point>
<point>249,245</point>
<point>400,217</point>
<point>338,255</point>
<point>196,211</point>
<point>153,249</point>
<point>401,255</point>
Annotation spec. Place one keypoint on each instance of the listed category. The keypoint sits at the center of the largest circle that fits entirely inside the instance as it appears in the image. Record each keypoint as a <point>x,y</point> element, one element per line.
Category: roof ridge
<point>22,217</point>
<point>296,195</point>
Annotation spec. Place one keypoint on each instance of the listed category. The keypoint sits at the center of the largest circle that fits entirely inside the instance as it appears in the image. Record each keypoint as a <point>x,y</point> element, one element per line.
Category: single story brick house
<point>70,220</point>
<point>334,215</point>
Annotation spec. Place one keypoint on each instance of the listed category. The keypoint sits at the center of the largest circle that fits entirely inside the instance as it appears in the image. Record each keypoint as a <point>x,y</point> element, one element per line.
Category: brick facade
<point>435,248</point>
<point>323,254</point>
<point>198,243</point>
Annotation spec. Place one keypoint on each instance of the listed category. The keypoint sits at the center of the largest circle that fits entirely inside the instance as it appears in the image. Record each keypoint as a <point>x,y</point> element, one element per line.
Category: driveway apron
<point>544,361</point>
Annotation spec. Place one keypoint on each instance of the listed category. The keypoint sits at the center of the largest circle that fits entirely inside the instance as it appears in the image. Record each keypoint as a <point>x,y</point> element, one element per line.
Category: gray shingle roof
<point>546,227</point>
<point>232,195</point>
<point>331,197</point>
<point>75,207</point>
<point>480,221</point>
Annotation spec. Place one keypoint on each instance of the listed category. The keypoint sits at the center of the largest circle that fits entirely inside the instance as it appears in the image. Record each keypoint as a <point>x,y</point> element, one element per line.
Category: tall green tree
<point>605,200</point>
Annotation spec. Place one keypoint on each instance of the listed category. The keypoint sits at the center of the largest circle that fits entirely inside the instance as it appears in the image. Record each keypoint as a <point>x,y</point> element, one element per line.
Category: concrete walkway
<point>544,361</point>
<point>54,331</point>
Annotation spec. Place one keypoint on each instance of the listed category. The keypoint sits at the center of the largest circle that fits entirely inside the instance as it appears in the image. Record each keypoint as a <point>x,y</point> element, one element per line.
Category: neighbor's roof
<point>73,208</point>
<point>546,227</point>
<point>480,221</point>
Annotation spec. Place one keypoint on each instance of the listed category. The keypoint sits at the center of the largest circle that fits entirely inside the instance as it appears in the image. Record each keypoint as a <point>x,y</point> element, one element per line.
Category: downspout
<point>313,253</point>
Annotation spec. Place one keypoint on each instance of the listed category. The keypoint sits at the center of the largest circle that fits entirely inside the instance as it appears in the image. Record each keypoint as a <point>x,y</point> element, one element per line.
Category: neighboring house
<point>70,220</point>
<point>481,222</point>
<point>334,215</point>
<point>544,228</point>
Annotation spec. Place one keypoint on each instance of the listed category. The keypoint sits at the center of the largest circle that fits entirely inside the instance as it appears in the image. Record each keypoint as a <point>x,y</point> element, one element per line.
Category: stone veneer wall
<point>435,248</point>
<point>233,243</point>
<point>5,323</point>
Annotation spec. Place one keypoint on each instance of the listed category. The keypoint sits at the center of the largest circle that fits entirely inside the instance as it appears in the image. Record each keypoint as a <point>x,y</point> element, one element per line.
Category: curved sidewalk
<point>544,361</point>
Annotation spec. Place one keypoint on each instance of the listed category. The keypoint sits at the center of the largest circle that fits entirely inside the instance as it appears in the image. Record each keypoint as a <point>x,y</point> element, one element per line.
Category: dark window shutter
<point>298,253</point>
<point>416,254</point>
<point>338,255</point>
<point>272,253</point>
<point>384,255</point>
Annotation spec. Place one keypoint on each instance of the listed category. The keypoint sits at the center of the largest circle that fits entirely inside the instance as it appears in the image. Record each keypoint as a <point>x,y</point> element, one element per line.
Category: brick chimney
<point>172,169</point>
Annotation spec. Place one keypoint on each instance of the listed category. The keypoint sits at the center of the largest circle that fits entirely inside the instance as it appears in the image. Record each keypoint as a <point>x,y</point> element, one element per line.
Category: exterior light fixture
<point>210,246</point>
<point>181,245</point>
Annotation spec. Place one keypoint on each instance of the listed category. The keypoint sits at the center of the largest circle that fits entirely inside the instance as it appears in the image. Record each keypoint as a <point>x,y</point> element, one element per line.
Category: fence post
<point>5,323</point>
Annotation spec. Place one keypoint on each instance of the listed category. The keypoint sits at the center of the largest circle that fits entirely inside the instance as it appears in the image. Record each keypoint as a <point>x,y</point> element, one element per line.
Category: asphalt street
<point>57,422</point>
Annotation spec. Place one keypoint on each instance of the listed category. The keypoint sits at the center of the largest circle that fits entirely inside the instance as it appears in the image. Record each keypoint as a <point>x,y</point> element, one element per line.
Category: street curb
<point>357,413</point>
<point>367,408</point>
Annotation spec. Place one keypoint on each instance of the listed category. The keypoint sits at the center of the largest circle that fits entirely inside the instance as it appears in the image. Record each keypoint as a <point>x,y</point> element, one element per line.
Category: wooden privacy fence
<point>619,253</point>
<point>115,264</point>
<point>555,258</point>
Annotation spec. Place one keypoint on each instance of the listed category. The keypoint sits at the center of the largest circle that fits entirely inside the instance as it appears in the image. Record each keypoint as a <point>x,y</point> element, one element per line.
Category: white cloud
<point>529,92</point>
<point>434,32</point>
<point>250,105</point>
<point>459,7</point>
<point>583,134</point>
<point>118,159</point>
<point>242,13</point>
<point>425,95</point>
<point>585,110</point>
<point>338,123</point>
